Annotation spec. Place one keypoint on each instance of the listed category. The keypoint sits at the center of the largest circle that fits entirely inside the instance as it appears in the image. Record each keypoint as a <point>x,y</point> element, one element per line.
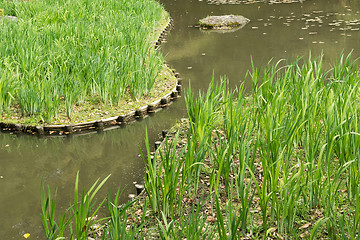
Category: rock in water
<point>223,22</point>
<point>11,18</point>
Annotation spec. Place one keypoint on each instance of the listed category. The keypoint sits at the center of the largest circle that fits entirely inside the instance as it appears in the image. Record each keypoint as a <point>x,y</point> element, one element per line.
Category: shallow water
<point>25,160</point>
<point>279,31</point>
<point>276,31</point>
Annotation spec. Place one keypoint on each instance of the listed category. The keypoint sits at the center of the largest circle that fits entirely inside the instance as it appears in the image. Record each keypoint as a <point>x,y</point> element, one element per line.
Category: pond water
<point>278,31</point>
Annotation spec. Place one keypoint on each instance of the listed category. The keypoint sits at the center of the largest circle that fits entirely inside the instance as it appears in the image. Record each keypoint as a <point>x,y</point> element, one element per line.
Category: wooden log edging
<point>163,34</point>
<point>140,188</point>
<point>102,124</point>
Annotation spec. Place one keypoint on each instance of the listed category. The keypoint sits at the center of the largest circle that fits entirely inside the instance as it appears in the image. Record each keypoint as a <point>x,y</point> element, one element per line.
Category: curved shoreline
<point>106,123</point>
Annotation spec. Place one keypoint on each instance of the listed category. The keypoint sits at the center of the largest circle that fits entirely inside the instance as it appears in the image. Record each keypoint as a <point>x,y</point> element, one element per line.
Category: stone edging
<point>103,124</point>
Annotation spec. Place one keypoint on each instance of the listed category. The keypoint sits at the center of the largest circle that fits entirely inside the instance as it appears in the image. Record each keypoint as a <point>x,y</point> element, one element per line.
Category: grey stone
<point>223,22</point>
<point>11,18</point>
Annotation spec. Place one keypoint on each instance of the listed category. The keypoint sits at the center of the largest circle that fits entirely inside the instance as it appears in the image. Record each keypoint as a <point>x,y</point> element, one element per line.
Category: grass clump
<point>282,163</point>
<point>79,219</point>
<point>60,54</point>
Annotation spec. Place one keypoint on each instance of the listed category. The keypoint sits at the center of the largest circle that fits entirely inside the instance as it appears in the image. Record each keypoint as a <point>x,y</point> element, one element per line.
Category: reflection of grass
<point>281,164</point>
<point>63,54</point>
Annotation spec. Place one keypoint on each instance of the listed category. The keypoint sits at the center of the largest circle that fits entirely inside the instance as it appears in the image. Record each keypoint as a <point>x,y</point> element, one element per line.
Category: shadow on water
<point>276,31</point>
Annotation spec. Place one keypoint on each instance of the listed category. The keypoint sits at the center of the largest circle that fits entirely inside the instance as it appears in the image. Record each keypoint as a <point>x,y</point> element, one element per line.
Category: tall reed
<point>282,162</point>
<point>60,53</point>
<point>78,219</point>
<point>118,228</point>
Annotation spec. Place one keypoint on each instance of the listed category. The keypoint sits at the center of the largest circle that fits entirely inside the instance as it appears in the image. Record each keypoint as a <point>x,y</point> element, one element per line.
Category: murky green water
<point>275,31</point>
<point>24,161</point>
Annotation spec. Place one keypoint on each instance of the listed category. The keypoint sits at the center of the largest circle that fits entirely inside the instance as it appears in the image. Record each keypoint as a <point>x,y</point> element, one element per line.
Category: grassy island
<point>280,163</point>
<point>69,61</point>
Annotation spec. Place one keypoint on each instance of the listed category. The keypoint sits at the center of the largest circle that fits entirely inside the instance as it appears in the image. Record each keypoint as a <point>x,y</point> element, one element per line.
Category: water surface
<point>278,31</point>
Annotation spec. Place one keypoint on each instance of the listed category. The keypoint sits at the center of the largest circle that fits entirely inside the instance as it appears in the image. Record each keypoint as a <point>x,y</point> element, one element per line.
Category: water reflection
<point>25,160</point>
<point>278,31</point>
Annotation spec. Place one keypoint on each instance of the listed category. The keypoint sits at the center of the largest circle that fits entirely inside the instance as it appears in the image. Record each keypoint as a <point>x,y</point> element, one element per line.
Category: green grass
<point>282,163</point>
<point>79,219</point>
<point>61,54</point>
